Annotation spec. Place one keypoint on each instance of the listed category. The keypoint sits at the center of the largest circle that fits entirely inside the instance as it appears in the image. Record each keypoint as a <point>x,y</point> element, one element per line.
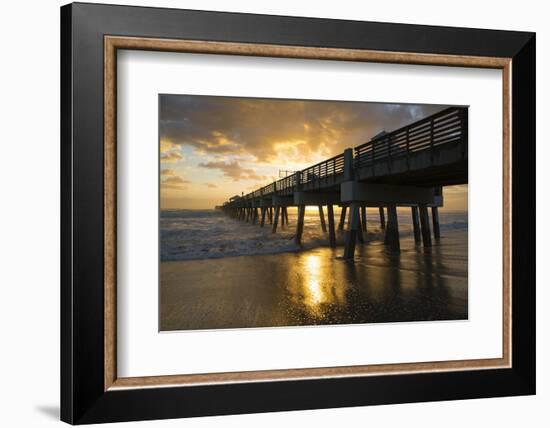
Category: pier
<point>407,167</point>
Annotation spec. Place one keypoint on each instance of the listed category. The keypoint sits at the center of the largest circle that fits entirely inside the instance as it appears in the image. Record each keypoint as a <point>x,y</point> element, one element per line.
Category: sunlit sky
<point>212,148</point>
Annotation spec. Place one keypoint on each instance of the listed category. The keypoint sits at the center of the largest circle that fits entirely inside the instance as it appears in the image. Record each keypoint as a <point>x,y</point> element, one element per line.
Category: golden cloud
<point>172,181</point>
<point>275,131</point>
<point>233,170</point>
<point>167,172</point>
<point>169,152</point>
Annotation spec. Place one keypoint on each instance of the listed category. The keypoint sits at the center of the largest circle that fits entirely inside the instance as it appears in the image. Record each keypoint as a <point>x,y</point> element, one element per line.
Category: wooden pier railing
<point>328,168</point>
<point>286,185</point>
<point>445,127</point>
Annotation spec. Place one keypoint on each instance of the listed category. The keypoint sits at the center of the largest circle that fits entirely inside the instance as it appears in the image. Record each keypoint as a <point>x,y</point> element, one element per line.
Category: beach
<point>234,282</point>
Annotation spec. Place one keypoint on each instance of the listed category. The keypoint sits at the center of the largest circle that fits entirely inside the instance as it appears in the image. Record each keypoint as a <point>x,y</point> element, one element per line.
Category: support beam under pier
<point>360,236</point>
<point>331,230</point>
<point>342,217</point>
<point>254,215</point>
<point>351,233</point>
<point>275,219</point>
<point>425,223</point>
<point>262,221</point>
<point>416,224</point>
<point>322,218</point>
<point>364,218</point>
<point>435,221</point>
<point>392,230</point>
<point>382,217</point>
<point>300,224</point>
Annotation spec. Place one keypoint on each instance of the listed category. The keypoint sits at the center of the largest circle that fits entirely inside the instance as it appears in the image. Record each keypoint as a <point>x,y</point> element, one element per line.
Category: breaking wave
<point>204,234</point>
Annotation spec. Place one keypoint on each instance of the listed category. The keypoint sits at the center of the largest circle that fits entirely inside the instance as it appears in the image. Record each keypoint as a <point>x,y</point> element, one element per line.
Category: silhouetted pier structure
<point>404,168</point>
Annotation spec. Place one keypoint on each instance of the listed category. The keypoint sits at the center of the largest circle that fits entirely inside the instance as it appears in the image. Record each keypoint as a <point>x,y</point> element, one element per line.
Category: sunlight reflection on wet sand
<point>317,287</point>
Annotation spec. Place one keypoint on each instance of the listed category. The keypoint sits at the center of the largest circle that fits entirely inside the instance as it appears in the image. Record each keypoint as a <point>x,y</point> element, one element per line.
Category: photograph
<point>292,212</point>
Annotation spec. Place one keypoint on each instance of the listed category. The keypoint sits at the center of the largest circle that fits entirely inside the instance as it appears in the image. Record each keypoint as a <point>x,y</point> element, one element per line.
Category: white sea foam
<point>203,234</point>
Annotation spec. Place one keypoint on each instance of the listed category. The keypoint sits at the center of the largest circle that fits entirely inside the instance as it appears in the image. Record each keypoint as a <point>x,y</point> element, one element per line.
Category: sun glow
<point>314,293</point>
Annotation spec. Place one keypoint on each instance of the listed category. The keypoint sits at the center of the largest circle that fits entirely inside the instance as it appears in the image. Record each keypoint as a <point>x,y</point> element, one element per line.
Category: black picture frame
<point>83,398</point>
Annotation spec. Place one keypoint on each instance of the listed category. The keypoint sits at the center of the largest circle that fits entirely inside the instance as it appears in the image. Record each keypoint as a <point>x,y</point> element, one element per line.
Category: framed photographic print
<point>265,213</point>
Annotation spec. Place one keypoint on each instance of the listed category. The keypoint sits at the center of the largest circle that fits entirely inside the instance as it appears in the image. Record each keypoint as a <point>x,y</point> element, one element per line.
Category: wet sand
<point>317,287</point>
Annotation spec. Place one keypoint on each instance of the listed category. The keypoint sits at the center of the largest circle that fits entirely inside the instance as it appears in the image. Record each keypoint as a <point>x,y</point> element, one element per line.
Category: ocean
<point>209,234</point>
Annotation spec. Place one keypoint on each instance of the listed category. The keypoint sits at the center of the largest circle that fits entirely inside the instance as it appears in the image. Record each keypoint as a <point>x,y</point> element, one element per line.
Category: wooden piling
<point>351,234</point>
<point>392,230</point>
<point>254,215</point>
<point>382,218</point>
<point>270,215</point>
<point>286,215</point>
<point>416,224</point>
<point>322,218</point>
<point>275,220</point>
<point>360,237</point>
<point>342,217</point>
<point>262,221</point>
<point>282,215</point>
<point>435,221</point>
<point>425,223</point>
<point>331,231</point>
<point>364,218</point>
<point>386,234</point>
<point>300,224</point>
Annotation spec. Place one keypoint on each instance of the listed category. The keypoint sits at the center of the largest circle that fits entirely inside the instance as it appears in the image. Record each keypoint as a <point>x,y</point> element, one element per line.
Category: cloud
<point>171,180</point>
<point>167,172</point>
<point>210,185</point>
<point>275,130</point>
<point>233,170</point>
<point>169,152</point>
<point>175,180</point>
<point>170,157</point>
